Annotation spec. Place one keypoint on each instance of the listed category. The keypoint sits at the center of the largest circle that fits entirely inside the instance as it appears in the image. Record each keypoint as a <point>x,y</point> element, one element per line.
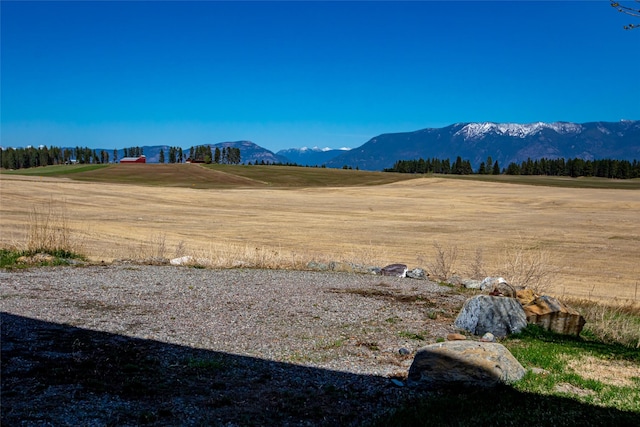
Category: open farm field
<point>228,218</point>
<point>215,176</point>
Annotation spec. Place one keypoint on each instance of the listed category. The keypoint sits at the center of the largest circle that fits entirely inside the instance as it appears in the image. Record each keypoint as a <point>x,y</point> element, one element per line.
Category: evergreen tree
<point>481,169</point>
<point>496,169</point>
<point>161,159</point>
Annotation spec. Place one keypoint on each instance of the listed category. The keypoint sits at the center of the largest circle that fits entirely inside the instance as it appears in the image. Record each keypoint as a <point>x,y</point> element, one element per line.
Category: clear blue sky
<point>291,74</point>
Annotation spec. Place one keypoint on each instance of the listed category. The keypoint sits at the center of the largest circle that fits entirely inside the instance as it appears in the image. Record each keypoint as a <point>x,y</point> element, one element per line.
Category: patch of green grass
<point>292,176</point>
<point>331,344</point>
<point>559,395</point>
<point>56,170</point>
<point>536,348</point>
<point>217,176</point>
<point>411,335</point>
<point>503,406</point>
<point>9,258</point>
<point>554,181</point>
<point>211,364</point>
<point>393,320</point>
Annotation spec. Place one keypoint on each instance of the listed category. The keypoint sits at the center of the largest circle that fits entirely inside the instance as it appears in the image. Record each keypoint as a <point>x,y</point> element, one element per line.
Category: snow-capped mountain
<point>504,142</point>
<point>480,130</point>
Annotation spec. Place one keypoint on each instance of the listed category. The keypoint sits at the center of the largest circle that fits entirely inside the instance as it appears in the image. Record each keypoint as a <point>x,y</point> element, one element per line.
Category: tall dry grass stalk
<point>615,322</point>
<point>155,247</point>
<point>230,255</point>
<point>48,230</point>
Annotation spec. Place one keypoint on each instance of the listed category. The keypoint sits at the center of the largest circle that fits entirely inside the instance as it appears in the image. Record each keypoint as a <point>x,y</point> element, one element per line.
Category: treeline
<point>30,157</point>
<point>203,153</point>
<point>605,168</point>
<point>435,165</point>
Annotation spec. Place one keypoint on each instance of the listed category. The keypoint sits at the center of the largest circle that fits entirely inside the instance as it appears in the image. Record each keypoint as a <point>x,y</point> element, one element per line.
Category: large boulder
<point>499,315</point>
<point>553,315</point>
<point>464,362</point>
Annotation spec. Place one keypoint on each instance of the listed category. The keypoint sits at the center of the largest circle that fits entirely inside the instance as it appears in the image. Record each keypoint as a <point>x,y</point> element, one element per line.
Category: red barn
<point>141,159</point>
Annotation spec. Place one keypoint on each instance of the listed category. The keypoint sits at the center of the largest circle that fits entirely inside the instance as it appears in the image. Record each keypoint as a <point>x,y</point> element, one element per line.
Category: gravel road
<point>126,344</point>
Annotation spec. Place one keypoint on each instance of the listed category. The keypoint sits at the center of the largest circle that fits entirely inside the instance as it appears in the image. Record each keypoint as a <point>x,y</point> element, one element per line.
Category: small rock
<point>471,284</point>
<point>396,270</point>
<point>455,280</point>
<point>490,282</point>
<point>320,266</point>
<point>503,289</point>
<point>456,337</point>
<point>416,273</point>
<point>182,260</point>
<point>539,371</point>
<point>488,337</point>
<point>404,351</point>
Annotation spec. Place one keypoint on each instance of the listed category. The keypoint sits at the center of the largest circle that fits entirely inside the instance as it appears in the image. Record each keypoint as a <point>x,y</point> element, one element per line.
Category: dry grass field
<point>591,235</point>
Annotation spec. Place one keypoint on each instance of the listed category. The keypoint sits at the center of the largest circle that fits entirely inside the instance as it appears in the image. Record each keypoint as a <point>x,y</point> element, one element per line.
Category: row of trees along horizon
<point>29,157</point>
<point>576,167</point>
<point>20,158</point>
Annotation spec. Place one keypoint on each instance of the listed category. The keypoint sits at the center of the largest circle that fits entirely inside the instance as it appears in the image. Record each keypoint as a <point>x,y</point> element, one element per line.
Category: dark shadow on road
<point>54,374</point>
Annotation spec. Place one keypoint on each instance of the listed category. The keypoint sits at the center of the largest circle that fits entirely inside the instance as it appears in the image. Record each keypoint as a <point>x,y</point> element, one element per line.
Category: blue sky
<point>291,74</point>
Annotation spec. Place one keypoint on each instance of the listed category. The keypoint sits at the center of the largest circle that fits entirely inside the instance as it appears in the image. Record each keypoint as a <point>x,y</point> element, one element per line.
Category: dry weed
<point>365,256</point>
<point>477,269</point>
<point>230,255</point>
<point>48,230</point>
<point>443,264</point>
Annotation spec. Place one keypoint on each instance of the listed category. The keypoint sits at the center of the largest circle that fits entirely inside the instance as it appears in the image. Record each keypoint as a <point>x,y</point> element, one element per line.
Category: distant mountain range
<point>504,142</point>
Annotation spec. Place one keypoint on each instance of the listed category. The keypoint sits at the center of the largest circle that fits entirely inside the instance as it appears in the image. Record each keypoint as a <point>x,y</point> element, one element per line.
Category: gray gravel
<point>297,316</point>
<point>340,322</point>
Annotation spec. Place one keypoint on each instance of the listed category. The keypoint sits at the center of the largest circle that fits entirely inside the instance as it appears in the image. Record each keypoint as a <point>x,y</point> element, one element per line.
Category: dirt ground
<point>593,235</point>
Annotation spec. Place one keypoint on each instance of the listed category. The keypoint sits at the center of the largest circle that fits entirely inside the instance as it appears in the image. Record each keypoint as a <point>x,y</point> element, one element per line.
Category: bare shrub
<point>527,266</point>
<point>158,245</point>
<point>443,264</point>
<point>180,250</point>
<point>477,269</point>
